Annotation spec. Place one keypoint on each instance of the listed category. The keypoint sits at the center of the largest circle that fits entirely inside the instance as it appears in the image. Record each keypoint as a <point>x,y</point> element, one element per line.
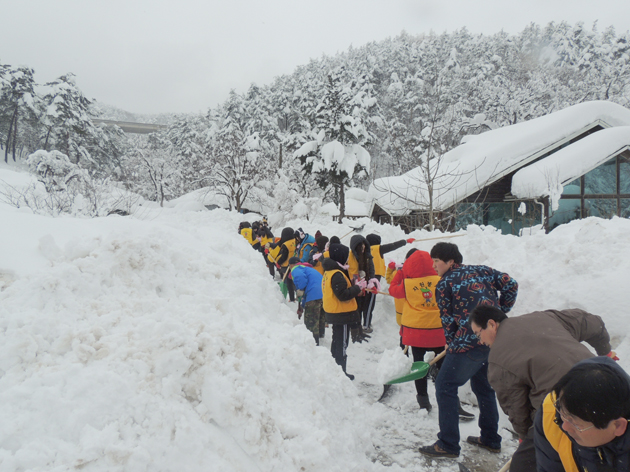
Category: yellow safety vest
<point>302,247</point>
<point>353,265</point>
<point>399,303</point>
<point>377,259</point>
<point>331,303</point>
<point>290,245</point>
<point>273,253</point>
<point>420,309</point>
<point>556,437</point>
<point>247,234</point>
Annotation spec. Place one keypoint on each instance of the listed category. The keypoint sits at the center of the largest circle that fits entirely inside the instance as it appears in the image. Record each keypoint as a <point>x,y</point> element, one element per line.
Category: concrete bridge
<point>131,127</point>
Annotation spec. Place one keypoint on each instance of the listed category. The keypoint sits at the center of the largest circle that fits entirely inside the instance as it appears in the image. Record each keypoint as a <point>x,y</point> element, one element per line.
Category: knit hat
<point>299,234</point>
<point>339,253</point>
<point>294,260</point>
<point>321,243</point>
<point>318,234</point>
<point>335,240</point>
<point>373,239</point>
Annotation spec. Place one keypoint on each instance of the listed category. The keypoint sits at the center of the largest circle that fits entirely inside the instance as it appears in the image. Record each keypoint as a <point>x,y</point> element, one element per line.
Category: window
<point>602,180</point>
<point>568,210</point>
<point>602,207</point>
<point>624,207</point>
<point>572,188</point>
<point>624,175</point>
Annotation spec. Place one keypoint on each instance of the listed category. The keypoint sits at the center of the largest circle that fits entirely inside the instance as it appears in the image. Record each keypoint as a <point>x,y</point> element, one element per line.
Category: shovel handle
<point>440,237</point>
<point>438,357</point>
<point>506,467</point>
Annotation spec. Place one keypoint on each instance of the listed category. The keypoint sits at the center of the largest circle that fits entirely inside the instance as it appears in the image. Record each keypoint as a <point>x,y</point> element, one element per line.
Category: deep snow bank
<point>160,345</point>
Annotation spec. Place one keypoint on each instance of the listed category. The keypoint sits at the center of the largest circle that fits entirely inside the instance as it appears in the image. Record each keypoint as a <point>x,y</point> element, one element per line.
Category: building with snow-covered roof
<point>566,165</point>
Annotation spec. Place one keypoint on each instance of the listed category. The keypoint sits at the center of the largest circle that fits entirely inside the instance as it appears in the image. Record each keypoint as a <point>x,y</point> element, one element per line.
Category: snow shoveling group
<point>163,344</point>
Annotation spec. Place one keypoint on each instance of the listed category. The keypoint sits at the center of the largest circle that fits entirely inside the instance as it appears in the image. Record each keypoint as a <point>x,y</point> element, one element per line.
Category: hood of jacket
<point>286,235</point>
<point>419,264</point>
<point>355,241</point>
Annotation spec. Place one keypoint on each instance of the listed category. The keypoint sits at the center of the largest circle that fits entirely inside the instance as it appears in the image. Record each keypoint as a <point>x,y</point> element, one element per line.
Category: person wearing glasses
<point>528,355</point>
<point>583,422</point>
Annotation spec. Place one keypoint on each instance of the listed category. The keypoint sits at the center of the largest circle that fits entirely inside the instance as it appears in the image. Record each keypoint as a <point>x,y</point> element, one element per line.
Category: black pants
<point>339,343</point>
<point>418,355</point>
<point>368,306</point>
<point>524,459</point>
<point>289,281</point>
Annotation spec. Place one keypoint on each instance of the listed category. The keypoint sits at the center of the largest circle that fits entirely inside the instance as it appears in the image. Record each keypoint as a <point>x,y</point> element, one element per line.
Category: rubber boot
<point>423,401</point>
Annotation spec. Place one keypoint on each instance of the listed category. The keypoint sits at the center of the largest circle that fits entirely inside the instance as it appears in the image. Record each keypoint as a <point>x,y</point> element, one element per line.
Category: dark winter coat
<point>611,457</point>
<point>342,292</point>
<point>460,290</point>
<point>360,262</point>
<point>532,352</point>
<point>283,255</point>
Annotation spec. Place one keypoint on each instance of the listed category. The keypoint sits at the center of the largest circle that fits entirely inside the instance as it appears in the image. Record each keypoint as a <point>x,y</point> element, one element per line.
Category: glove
<point>392,265</point>
<point>433,372</point>
<point>299,293</point>
<point>410,240</point>
<point>300,310</point>
<point>613,355</point>
<point>317,256</point>
<point>358,336</point>
<point>361,283</point>
<point>374,283</point>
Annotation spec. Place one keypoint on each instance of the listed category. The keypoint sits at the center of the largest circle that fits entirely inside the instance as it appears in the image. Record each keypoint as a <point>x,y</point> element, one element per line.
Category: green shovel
<point>418,370</point>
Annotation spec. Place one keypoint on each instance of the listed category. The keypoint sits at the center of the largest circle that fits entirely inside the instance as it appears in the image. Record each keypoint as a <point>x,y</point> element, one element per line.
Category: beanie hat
<point>335,240</point>
<point>373,239</point>
<point>339,253</point>
<point>299,234</point>
<point>294,260</point>
<point>318,234</point>
<point>321,243</point>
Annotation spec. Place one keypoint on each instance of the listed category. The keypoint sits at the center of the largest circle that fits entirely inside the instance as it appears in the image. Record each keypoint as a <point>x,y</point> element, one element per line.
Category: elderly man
<point>528,355</point>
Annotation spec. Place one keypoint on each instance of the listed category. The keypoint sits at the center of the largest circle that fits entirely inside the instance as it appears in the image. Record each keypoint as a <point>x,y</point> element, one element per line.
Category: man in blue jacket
<point>309,281</point>
<point>460,289</point>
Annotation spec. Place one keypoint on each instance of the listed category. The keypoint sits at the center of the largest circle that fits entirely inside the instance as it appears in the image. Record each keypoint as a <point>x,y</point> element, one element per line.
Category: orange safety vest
<point>420,309</point>
<point>377,259</point>
<point>556,437</point>
<point>331,303</point>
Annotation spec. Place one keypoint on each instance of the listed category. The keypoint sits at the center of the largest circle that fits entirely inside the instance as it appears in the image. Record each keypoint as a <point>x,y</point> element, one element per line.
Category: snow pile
<point>130,345</point>
<point>393,364</point>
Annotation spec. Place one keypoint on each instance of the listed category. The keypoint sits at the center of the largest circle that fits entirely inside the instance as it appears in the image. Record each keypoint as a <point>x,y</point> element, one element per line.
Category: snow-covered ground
<point>159,342</point>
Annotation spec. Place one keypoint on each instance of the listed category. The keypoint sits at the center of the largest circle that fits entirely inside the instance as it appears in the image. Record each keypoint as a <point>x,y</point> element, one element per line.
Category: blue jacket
<point>308,279</point>
<point>460,290</point>
<point>307,244</point>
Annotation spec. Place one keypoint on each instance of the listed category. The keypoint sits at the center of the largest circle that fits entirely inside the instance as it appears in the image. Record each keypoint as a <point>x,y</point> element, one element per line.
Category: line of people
<point>569,408</point>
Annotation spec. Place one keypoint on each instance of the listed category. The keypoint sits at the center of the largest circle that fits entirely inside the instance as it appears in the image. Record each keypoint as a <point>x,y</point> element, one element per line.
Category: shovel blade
<point>284,289</point>
<point>418,370</point>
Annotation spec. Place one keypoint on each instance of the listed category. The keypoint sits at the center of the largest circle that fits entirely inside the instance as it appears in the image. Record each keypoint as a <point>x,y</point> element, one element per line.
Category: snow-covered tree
<point>338,152</point>
<point>17,102</point>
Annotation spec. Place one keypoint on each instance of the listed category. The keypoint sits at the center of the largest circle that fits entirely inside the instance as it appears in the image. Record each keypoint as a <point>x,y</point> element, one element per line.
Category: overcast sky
<point>152,56</point>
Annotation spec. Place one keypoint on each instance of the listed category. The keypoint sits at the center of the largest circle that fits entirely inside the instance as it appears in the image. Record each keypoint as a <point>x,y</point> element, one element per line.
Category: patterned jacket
<point>460,290</point>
